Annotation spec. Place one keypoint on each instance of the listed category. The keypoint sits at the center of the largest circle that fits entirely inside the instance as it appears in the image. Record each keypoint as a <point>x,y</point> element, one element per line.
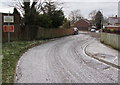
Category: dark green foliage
<point>16,11</point>
<point>28,23</point>
<point>99,20</point>
<point>55,15</point>
<point>48,17</point>
<point>57,18</point>
<point>44,21</point>
<point>51,20</point>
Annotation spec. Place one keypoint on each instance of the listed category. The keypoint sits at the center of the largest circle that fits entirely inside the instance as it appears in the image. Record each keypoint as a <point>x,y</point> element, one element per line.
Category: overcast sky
<point>108,7</point>
<point>90,0</point>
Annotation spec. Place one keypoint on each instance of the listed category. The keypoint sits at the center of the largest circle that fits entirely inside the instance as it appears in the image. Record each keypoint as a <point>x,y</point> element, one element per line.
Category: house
<point>83,24</point>
<point>114,21</point>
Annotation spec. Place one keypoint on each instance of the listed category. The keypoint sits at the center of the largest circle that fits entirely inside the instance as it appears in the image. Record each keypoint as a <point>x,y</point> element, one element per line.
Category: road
<point>63,61</point>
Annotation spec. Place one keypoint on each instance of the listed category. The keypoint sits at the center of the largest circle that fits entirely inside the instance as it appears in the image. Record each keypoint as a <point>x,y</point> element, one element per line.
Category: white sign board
<point>8,19</point>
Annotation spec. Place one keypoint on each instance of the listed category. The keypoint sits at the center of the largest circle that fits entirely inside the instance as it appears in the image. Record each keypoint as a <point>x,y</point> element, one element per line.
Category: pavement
<point>103,53</point>
<point>64,61</point>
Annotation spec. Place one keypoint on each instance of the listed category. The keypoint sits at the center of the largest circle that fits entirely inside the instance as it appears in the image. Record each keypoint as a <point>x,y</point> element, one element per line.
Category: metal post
<point>8,32</point>
<point>8,37</point>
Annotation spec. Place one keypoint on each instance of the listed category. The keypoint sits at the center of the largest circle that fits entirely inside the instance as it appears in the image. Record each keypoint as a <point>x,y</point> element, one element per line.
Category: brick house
<point>83,24</point>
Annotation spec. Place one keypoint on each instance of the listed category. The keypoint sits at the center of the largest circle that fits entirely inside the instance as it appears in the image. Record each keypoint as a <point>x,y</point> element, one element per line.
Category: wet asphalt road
<point>63,61</point>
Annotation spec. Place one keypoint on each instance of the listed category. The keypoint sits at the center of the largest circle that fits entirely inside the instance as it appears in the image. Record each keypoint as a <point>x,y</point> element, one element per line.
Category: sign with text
<point>8,19</point>
<point>8,28</point>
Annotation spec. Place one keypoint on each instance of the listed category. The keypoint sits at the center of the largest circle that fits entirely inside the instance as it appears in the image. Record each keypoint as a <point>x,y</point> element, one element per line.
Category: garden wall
<point>111,39</point>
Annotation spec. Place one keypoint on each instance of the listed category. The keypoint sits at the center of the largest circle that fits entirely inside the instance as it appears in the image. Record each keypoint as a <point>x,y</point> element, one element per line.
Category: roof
<point>84,20</point>
<point>115,17</point>
<point>112,26</point>
<point>6,13</point>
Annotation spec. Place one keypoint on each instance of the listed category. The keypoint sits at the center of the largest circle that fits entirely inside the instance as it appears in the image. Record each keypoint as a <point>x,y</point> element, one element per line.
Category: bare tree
<point>39,5</point>
<point>19,5</point>
<point>92,14</point>
<point>105,20</point>
<point>44,6</point>
<point>75,15</point>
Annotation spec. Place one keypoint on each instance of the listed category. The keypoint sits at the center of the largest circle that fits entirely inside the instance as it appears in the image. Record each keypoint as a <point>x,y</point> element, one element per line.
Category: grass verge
<point>11,54</point>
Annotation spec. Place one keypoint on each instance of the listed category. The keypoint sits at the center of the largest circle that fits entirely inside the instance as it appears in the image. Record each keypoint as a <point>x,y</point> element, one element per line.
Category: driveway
<point>63,61</point>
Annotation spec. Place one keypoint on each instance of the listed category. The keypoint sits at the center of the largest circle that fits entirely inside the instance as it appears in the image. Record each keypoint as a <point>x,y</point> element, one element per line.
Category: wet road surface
<point>63,61</point>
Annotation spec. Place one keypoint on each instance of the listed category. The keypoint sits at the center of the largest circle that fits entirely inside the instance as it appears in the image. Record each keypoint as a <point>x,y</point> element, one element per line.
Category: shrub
<point>112,30</point>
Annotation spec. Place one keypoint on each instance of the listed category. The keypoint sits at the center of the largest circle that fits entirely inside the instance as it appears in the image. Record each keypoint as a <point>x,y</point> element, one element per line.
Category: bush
<point>112,30</point>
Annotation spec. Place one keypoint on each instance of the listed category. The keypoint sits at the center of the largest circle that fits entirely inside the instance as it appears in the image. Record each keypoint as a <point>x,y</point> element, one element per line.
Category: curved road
<point>63,61</point>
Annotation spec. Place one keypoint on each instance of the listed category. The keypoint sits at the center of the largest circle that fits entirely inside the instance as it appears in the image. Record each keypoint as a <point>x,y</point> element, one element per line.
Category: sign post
<point>8,37</point>
<point>8,32</point>
<point>8,28</point>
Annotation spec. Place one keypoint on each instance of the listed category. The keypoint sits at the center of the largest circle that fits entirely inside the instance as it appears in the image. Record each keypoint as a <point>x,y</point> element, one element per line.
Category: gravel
<point>63,61</point>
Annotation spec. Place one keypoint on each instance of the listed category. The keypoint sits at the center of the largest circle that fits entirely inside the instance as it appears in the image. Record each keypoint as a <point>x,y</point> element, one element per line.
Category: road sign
<point>8,28</point>
<point>8,19</point>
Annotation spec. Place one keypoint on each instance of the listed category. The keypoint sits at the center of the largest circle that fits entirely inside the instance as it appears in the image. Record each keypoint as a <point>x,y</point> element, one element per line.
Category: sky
<point>90,0</point>
<point>108,7</point>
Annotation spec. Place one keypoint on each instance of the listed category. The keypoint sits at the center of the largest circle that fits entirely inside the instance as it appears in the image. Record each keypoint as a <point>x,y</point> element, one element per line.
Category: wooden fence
<point>41,34</point>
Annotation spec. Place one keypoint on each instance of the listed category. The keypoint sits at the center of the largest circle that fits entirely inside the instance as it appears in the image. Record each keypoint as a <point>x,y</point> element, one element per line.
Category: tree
<point>57,18</point>
<point>99,20</point>
<point>75,15</point>
<point>105,20</point>
<point>39,14</point>
<point>66,23</point>
<point>16,11</point>
<point>28,23</point>
<point>44,21</point>
<point>56,15</point>
<point>41,9</point>
<point>92,16</point>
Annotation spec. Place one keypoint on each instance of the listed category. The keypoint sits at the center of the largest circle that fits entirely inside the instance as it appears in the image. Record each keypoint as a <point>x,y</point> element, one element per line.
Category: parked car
<point>93,30</point>
<point>97,31</point>
<point>75,29</point>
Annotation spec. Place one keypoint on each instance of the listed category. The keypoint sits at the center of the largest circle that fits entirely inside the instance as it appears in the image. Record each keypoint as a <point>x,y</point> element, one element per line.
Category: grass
<point>11,54</point>
<point>0,68</point>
